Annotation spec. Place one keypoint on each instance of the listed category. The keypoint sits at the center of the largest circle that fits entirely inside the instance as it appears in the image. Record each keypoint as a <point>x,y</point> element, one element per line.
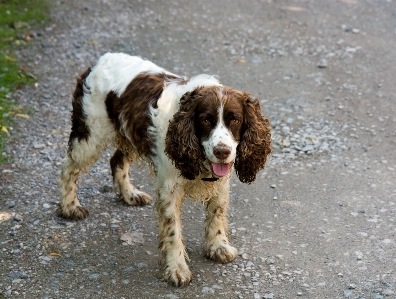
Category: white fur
<point>220,135</point>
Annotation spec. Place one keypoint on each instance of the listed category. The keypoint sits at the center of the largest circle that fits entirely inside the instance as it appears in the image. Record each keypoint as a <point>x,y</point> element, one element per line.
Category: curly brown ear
<point>181,143</point>
<point>255,144</point>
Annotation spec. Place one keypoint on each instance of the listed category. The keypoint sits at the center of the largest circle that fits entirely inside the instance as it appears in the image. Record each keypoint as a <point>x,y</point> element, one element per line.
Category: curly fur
<point>181,143</point>
<point>255,145</point>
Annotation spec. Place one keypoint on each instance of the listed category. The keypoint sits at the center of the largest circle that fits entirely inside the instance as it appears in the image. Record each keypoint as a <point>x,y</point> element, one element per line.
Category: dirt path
<point>320,220</point>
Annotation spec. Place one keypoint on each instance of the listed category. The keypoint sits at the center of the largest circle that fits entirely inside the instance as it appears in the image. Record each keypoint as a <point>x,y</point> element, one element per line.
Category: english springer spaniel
<point>192,132</point>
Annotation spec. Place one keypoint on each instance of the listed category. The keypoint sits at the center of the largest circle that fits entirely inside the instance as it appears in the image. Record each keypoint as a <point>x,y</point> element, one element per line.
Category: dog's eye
<point>235,122</point>
<point>205,122</point>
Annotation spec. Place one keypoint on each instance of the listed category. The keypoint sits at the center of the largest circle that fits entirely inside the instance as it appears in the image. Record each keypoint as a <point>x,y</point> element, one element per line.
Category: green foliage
<point>17,17</point>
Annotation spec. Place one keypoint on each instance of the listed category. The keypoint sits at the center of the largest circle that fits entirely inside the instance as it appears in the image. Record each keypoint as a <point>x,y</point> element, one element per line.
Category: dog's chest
<point>199,189</point>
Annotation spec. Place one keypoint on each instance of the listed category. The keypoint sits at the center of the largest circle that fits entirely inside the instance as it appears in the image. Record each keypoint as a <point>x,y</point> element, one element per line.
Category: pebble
<point>348,293</point>
<point>128,269</point>
<point>359,255</point>
<point>93,276</point>
<point>208,290</point>
<point>268,296</point>
<point>307,148</point>
<point>352,286</point>
<point>270,261</point>
<point>131,238</point>
<point>106,189</point>
<point>141,265</point>
<point>38,145</point>
<point>11,204</point>
<point>322,64</point>
<point>286,130</point>
<point>387,292</point>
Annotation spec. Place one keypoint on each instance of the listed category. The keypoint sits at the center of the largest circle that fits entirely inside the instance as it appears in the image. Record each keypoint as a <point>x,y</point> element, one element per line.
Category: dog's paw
<point>223,253</point>
<point>75,213</point>
<point>179,276</point>
<point>137,198</point>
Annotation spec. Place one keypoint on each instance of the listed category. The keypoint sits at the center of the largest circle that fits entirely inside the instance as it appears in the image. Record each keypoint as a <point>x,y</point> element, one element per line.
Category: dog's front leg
<point>170,199</point>
<point>217,246</point>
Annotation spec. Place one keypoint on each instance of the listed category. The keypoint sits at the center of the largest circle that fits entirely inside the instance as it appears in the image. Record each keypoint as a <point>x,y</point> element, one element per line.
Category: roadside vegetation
<point>17,18</point>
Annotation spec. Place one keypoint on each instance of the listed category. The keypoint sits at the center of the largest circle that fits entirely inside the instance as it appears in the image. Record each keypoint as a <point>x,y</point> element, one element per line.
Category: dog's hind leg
<point>119,164</point>
<point>81,155</point>
<point>87,141</point>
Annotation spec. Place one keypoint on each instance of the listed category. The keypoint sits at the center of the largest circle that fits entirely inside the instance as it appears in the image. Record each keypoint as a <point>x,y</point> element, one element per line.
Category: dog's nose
<point>222,152</point>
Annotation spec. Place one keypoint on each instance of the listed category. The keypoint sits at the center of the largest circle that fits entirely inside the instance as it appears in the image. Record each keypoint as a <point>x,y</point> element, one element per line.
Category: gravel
<point>330,231</point>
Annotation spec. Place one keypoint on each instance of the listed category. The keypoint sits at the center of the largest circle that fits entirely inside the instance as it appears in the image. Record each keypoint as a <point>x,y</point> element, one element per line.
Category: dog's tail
<point>79,128</point>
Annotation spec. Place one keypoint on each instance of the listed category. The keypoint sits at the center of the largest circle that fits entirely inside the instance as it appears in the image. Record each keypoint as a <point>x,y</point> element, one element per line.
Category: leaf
<point>3,129</point>
<point>22,115</point>
<point>55,254</point>
<point>93,42</point>
<point>9,58</point>
<point>28,36</point>
<point>31,76</point>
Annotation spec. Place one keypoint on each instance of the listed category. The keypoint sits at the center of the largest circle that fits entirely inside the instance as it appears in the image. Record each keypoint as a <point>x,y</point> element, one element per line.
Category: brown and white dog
<point>192,132</point>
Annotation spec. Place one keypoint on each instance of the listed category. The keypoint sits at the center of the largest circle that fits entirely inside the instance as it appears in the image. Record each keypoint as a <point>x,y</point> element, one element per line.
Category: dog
<point>192,132</point>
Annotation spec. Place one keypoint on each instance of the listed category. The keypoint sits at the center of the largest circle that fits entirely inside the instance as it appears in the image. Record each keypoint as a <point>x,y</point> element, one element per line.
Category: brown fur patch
<point>255,145</point>
<point>182,143</point>
<point>116,161</point>
<point>133,107</point>
<point>79,128</point>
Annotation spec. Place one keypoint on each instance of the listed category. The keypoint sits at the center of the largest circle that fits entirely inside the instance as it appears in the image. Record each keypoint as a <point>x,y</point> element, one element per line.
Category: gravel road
<point>319,222</point>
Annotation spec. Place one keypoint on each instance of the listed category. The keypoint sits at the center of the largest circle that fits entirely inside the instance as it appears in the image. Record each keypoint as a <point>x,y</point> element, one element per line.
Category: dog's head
<point>215,128</point>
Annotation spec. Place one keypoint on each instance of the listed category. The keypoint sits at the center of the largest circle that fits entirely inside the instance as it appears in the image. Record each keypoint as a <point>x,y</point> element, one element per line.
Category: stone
<point>387,292</point>
<point>38,145</point>
<point>347,293</point>
<point>322,64</point>
<point>132,238</point>
<point>93,276</point>
<point>286,130</point>
<point>208,290</point>
<point>141,265</point>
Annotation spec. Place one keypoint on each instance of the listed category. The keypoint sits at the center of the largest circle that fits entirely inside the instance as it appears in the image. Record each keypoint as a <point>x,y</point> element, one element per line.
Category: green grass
<point>17,18</point>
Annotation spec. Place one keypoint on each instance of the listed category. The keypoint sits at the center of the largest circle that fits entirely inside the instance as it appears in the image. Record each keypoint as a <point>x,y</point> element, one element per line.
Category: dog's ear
<point>255,144</point>
<point>181,143</point>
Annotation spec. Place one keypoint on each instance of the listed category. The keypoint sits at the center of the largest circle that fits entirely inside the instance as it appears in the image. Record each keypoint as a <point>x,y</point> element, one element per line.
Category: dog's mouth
<point>221,169</point>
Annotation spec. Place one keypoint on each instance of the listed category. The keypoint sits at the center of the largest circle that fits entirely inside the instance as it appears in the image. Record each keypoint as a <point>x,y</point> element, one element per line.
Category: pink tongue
<point>221,169</point>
